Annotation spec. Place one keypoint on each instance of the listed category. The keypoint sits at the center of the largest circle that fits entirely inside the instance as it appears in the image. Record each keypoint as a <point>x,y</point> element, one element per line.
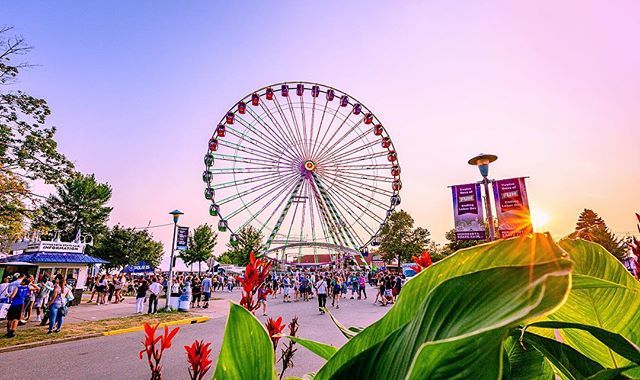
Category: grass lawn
<point>29,334</point>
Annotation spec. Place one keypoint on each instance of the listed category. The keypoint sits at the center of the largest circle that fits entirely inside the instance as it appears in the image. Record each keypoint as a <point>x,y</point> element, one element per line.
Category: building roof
<point>54,257</point>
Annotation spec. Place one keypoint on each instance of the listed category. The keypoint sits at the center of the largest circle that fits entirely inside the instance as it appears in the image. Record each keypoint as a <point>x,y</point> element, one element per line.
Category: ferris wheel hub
<point>309,165</point>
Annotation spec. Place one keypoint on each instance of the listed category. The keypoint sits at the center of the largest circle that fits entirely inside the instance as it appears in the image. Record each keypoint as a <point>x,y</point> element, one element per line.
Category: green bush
<point>523,308</point>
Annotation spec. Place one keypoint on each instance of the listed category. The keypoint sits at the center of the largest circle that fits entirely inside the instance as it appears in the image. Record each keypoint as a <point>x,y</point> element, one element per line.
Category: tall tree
<point>28,149</point>
<point>79,204</point>
<point>400,240</point>
<point>123,246</point>
<point>250,240</point>
<point>591,226</point>
<point>201,245</point>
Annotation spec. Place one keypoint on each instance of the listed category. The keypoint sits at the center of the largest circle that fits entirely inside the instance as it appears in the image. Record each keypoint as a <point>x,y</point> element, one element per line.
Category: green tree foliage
<point>400,240</point>
<point>28,150</point>
<point>455,244</point>
<point>250,240</point>
<point>79,204</point>
<point>201,245</point>
<point>591,226</point>
<point>123,246</point>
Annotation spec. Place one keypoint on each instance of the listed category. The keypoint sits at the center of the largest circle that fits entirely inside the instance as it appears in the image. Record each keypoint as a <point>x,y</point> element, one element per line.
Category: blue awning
<point>54,257</point>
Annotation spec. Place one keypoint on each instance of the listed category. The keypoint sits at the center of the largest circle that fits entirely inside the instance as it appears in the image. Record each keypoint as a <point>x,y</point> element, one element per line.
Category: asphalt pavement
<point>116,357</point>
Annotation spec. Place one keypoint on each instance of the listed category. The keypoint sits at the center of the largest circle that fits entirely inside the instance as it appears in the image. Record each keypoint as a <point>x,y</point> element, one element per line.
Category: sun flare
<point>539,219</point>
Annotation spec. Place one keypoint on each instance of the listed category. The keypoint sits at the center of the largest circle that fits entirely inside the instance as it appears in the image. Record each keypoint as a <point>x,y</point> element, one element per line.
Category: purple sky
<point>552,88</point>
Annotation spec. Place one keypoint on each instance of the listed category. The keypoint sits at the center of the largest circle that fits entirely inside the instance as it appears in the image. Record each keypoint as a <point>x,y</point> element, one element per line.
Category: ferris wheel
<point>307,165</point>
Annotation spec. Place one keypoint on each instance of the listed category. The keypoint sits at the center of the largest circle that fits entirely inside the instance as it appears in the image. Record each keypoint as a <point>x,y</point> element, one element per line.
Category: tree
<point>78,205</point>
<point>201,245</point>
<point>399,240</point>
<point>455,245</point>
<point>28,150</point>
<point>123,246</point>
<point>592,227</point>
<point>249,240</point>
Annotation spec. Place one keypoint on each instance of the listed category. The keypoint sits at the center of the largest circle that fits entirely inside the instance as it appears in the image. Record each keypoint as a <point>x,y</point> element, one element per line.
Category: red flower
<point>198,359</point>
<point>423,262</point>
<point>154,354</point>
<point>274,328</point>
<point>255,273</point>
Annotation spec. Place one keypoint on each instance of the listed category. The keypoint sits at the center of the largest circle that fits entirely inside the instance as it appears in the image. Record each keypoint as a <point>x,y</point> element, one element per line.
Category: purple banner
<point>467,212</point>
<point>512,207</point>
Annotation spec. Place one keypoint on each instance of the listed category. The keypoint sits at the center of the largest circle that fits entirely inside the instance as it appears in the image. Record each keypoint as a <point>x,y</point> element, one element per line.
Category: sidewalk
<point>87,312</point>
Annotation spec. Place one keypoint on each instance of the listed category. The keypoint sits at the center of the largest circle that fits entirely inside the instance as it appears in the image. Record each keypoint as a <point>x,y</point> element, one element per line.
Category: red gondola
<point>392,156</point>
<point>330,95</point>
<point>395,170</point>
<point>378,129</point>
<point>213,145</point>
<point>397,185</point>
<point>368,118</point>
<point>300,89</point>
<point>315,91</point>
<point>285,90</point>
<point>386,142</point>
<point>230,117</point>
<point>344,100</point>
<point>255,99</point>
<point>357,108</point>
<point>269,93</point>
<point>221,131</point>
<point>242,107</point>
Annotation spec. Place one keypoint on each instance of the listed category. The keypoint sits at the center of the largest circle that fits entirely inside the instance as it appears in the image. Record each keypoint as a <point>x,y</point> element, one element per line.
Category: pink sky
<point>552,88</point>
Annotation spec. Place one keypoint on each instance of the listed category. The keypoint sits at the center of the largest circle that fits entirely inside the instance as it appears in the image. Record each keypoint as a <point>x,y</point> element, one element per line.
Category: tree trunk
<point>199,267</point>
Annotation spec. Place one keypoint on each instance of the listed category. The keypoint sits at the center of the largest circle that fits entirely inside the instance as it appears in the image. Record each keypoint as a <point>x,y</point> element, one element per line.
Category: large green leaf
<point>325,351</point>
<point>247,352</point>
<point>615,342</point>
<point>525,362</point>
<point>567,361</point>
<point>348,332</point>
<point>615,309</point>
<point>472,310</point>
<point>523,251</point>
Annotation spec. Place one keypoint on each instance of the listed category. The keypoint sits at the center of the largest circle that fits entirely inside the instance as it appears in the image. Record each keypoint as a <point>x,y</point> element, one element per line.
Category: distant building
<point>37,258</point>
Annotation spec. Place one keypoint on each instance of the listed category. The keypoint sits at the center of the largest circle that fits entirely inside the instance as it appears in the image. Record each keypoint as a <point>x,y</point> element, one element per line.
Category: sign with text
<point>183,238</point>
<point>467,212</point>
<point>54,246</point>
<point>512,207</point>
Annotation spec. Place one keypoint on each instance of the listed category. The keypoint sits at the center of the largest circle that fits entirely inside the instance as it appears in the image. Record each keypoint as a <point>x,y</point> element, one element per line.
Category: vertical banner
<point>512,206</point>
<point>467,212</point>
<point>181,241</point>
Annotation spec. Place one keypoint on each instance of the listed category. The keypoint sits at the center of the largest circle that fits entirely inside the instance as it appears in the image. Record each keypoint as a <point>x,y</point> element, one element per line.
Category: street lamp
<point>176,215</point>
<point>482,161</point>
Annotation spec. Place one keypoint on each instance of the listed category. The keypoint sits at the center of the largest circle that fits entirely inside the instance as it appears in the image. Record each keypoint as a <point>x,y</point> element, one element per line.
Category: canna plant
<point>255,273</point>
<point>154,347</point>
<point>198,359</point>
<point>522,308</point>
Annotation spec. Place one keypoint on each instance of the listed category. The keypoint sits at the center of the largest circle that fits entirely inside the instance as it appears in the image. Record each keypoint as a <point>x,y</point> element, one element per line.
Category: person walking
<point>362,283</point>
<point>141,294</point>
<point>17,297</point>
<point>58,305</point>
<point>206,290</point>
<point>321,290</point>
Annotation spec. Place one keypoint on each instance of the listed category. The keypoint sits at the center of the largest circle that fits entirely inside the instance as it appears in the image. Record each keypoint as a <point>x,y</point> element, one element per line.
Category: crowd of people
<point>333,285</point>
<point>23,294</point>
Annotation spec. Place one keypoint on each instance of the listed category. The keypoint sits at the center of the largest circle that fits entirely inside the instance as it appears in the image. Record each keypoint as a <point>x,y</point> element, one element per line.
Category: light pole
<point>482,161</point>
<point>176,215</point>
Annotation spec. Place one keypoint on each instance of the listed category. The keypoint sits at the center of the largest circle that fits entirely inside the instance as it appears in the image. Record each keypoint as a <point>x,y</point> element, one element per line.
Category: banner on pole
<point>512,207</point>
<point>181,241</point>
<point>467,212</point>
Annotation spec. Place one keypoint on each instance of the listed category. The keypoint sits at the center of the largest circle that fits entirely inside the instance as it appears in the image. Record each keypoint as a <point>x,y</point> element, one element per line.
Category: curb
<point>95,335</point>
<point>171,323</point>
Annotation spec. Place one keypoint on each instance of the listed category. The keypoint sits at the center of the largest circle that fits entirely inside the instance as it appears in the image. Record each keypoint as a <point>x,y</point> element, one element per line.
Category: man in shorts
<point>206,290</point>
